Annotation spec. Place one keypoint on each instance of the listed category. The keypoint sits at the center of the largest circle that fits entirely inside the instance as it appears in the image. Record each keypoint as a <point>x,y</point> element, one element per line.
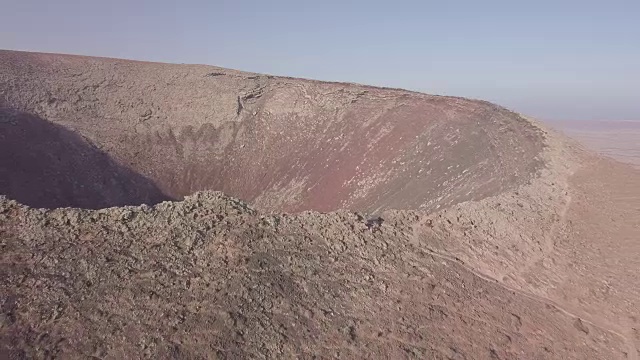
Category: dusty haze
<point>619,139</point>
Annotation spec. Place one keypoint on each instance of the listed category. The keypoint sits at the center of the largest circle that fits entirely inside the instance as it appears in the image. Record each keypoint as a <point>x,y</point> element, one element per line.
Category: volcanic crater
<point>165,211</point>
<point>95,133</point>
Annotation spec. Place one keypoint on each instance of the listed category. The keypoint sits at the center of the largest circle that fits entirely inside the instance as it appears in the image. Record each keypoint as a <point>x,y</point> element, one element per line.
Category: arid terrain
<point>167,211</point>
<point>618,139</point>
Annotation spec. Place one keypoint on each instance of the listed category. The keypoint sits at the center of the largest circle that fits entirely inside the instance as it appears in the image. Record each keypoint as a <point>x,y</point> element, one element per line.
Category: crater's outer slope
<point>210,278</point>
<point>281,144</point>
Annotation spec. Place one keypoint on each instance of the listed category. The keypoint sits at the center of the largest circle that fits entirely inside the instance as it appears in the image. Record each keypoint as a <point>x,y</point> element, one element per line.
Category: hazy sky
<point>560,59</point>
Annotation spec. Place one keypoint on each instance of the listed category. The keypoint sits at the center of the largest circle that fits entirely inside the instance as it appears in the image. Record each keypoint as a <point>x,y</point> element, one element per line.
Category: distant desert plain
<point>618,139</point>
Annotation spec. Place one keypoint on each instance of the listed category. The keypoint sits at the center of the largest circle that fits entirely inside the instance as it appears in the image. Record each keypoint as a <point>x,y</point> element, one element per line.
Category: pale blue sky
<point>551,59</point>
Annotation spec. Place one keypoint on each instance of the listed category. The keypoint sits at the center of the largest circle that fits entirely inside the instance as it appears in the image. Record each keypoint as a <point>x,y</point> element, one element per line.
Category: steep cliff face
<point>281,144</point>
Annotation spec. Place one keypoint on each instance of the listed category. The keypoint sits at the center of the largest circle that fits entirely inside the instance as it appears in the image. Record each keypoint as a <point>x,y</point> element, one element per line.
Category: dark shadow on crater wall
<point>46,165</point>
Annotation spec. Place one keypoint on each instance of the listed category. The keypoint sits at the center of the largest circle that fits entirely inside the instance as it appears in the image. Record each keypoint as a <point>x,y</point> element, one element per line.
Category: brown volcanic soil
<point>499,238</point>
